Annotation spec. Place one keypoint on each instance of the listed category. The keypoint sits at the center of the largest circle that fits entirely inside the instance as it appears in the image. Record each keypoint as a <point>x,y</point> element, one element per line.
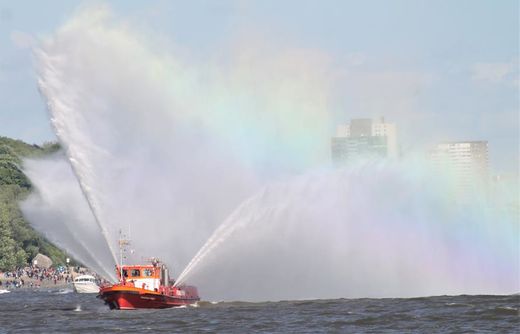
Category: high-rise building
<point>465,162</point>
<point>363,139</point>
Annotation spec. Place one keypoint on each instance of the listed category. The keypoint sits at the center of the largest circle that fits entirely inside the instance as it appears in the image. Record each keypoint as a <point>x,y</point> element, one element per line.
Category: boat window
<point>147,272</point>
<point>136,273</point>
<point>125,273</point>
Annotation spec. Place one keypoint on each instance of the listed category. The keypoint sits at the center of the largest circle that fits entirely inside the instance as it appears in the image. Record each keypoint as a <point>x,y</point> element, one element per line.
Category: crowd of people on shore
<point>33,277</point>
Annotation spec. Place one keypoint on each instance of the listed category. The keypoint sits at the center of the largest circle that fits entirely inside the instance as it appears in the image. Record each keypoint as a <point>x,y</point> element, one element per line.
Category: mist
<point>160,149</point>
<point>59,211</point>
<point>371,230</point>
<point>224,162</point>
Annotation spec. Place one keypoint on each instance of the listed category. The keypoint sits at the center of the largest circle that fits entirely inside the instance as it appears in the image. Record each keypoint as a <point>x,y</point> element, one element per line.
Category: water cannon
<point>165,275</point>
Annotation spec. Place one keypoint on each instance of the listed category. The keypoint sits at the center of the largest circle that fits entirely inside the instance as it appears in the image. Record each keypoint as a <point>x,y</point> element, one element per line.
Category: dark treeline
<point>19,243</point>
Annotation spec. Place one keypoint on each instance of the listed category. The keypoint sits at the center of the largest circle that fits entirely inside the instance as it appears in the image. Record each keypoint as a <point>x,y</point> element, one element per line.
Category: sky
<point>440,70</point>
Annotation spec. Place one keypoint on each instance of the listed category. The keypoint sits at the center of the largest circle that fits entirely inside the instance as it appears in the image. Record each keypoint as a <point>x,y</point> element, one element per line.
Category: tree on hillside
<point>19,243</point>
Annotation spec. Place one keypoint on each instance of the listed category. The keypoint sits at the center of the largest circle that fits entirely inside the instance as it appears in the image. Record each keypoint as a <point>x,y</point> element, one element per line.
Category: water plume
<point>59,211</point>
<point>374,230</point>
<point>164,148</point>
<point>169,148</point>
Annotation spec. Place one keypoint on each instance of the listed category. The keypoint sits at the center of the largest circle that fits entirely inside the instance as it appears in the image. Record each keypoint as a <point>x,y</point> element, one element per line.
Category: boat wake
<point>64,291</point>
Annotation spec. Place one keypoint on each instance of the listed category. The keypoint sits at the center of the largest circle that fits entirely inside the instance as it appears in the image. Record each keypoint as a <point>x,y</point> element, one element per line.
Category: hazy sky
<point>441,70</point>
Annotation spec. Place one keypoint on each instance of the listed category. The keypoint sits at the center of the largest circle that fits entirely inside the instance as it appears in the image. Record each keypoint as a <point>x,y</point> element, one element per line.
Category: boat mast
<point>122,243</point>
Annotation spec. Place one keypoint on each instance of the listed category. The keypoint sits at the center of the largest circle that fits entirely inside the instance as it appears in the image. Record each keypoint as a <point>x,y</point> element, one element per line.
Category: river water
<point>63,311</point>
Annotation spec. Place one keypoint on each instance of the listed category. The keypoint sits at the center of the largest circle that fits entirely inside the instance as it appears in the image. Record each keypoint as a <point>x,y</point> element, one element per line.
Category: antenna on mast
<point>122,249</point>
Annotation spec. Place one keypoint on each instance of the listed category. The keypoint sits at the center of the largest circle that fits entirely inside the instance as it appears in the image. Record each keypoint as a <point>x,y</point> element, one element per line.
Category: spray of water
<point>169,149</point>
<point>166,149</point>
<point>381,230</point>
<point>238,219</point>
<point>59,211</point>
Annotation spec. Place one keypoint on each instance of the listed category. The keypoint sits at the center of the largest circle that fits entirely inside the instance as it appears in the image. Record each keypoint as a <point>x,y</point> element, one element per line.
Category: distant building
<point>466,162</point>
<point>363,139</point>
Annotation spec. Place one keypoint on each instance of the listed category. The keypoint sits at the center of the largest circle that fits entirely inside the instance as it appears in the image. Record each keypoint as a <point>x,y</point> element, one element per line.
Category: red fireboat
<point>146,286</point>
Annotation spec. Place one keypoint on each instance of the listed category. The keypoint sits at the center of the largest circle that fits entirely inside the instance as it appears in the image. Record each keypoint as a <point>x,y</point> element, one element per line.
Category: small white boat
<point>4,291</point>
<point>86,284</point>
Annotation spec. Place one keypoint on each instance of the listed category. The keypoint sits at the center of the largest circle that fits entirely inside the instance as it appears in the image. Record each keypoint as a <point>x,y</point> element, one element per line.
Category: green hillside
<point>19,243</point>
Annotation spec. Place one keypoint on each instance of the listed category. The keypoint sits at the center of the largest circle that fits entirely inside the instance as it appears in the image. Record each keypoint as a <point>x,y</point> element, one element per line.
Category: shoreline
<point>37,284</point>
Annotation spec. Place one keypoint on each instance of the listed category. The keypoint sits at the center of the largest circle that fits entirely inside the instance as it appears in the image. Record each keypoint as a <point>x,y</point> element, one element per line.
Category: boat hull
<point>86,288</point>
<point>126,298</point>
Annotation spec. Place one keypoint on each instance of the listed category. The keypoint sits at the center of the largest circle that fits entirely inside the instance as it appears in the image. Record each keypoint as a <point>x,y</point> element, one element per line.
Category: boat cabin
<point>141,276</point>
<point>85,279</point>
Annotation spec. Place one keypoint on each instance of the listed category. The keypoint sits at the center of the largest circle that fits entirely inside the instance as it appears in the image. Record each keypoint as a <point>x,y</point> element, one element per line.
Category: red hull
<point>128,298</point>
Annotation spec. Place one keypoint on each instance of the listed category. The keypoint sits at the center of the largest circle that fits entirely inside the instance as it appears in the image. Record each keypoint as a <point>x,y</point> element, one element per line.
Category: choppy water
<point>66,312</point>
